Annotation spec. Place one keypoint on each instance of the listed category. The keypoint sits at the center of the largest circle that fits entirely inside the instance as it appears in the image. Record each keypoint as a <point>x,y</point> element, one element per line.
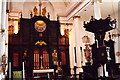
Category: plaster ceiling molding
<point>77,8</point>
<point>67,2</point>
<point>23,0</point>
<point>62,9</point>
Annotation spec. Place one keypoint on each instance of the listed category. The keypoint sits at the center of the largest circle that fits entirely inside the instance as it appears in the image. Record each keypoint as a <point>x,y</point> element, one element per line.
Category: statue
<point>55,58</point>
<point>35,10</point>
<point>44,11</point>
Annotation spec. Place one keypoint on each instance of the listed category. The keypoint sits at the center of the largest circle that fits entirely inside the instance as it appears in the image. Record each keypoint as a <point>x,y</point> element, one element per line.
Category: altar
<point>48,71</point>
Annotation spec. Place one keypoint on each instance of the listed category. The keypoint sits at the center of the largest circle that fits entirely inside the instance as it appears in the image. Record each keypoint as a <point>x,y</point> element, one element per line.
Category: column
<point>0,11</point>
<point>6,39</point>
<point>1,76</point>
<point>71,50</point>
<point>3,25</point>
<point>97,11</point>
<point>1,35</point>
<point>77,43</point>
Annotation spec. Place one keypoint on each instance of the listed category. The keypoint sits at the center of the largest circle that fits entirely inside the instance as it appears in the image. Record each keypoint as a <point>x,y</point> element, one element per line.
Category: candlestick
<point>41,67</point>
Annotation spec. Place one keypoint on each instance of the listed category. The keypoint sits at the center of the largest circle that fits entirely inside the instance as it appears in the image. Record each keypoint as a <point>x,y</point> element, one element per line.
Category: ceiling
<point>66,9</point>
<point>107,7</point>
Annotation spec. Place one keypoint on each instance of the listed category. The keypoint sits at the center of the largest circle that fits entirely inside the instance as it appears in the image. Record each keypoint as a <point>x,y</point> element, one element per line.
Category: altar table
<point>48,71</point>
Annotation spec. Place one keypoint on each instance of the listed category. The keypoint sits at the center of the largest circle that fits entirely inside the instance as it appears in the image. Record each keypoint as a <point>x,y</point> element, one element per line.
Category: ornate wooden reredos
<point>38,37</point>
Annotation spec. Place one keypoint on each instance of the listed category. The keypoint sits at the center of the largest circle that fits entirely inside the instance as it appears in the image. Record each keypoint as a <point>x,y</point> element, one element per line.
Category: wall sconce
<point>2,31</point>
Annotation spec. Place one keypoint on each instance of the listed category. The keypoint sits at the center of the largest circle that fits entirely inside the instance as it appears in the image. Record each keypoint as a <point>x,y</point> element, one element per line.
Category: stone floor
<point>69,77</point>
<point>117,77</point>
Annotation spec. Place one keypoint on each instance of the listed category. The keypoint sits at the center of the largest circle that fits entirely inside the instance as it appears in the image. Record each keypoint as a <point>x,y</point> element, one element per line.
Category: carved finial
<point>21,15</point>
<point>31,14</point>
<point>114,23</point>
<point>58,18</point>
<point>109,18</point>
<point>35,10</point>
<point>92,18</point>
<point>84,22</point>
<point>48,15</point>
<point>44,11</point>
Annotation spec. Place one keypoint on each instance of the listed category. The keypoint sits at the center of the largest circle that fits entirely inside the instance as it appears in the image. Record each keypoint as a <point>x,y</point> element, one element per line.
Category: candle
<point>9,70</point>
<point>23,71</point>
<point>97,43</point>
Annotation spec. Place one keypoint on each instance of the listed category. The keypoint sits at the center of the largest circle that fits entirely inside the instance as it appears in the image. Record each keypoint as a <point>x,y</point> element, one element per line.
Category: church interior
<point>59,40</point>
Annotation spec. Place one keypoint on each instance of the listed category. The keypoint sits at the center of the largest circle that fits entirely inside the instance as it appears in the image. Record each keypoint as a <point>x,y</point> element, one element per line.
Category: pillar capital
<point>71,68</point>
<point>76,17</point>
<point>66,23</point>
